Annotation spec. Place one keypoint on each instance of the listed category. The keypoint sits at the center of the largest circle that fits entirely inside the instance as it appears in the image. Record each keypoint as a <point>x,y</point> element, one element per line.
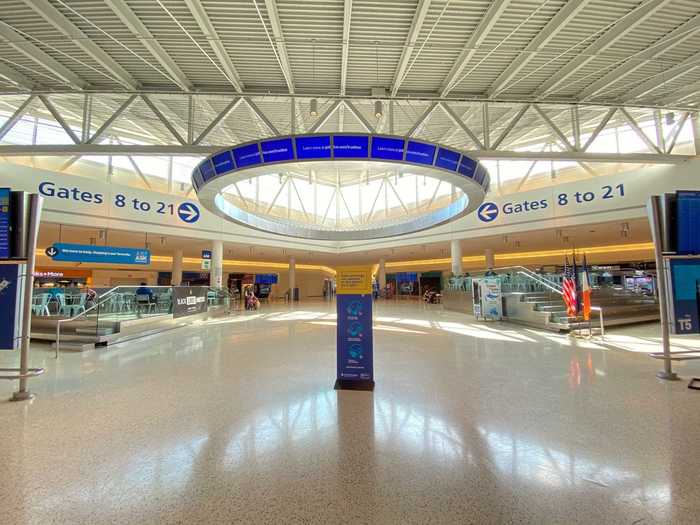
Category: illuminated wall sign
<point>447,159</point>
<point>387,148</point>
<point>207,170</point>
<point>350,146</point>
<point>420,153</point>
<point>223,162</point>
<point>467,167</point>
<point>247,155</point>
<point>277,150</point>
<point>314,147</point>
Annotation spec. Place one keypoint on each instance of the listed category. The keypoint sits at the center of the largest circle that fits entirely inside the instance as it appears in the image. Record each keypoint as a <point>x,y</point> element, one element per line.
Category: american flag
<point>569,289</point>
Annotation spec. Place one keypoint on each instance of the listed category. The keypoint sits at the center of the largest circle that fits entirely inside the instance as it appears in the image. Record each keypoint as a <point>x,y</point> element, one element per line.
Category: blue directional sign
<point>188,212</point>
<point>4,223</point>
<point>87,253</point>
<point>487,212</point>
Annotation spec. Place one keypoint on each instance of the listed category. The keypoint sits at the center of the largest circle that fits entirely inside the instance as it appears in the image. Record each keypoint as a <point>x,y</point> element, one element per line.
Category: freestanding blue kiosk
<point>355,363</point>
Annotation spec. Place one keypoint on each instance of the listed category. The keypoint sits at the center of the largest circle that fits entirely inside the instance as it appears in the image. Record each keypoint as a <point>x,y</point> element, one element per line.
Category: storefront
<point>62,278</point>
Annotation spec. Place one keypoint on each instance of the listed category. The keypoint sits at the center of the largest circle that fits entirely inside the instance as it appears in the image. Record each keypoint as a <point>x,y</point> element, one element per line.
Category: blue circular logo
<point>354,308</point>
<point>487,212</point>
<point>188,212</point>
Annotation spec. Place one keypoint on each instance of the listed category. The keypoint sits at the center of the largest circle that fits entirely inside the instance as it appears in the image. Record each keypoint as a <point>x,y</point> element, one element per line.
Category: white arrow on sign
<point>188,212</point>
<point>488,212</point>
<point>51,251</point>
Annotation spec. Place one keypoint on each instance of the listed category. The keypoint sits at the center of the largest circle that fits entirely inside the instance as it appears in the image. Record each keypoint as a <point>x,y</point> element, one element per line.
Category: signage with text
<point>4,223</point>
<point>87,253</point>
<point>189,300</point>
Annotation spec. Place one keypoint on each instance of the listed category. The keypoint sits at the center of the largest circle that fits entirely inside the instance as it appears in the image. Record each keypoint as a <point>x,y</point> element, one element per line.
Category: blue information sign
<point>4,223</point>
<point>387,148</point>
<point>355,355</point>
<point>314,147</point>
<point>688,222</point>
<point>206,254</point>
<point>685,282</point>
<point>9,306</point>
<point>277,150</point>
<point>350,146</point>
<point>447,159</point>
<point>407,277</point>
<point>223,162</point>
<point>247,155</point>
<point>420,152</point>
<point>88,253</point>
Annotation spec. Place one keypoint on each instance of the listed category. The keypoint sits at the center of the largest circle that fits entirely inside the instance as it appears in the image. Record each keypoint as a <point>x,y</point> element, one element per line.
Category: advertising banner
<point>685,287</point>
<point>189,300</point>
<point>10,302</point>
<point>355,359</point>
<point>491,302</point>
<point>354,350</point>
<point>88,253</point>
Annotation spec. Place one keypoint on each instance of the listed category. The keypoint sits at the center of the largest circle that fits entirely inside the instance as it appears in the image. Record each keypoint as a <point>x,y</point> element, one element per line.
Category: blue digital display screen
<point>316,147</point>
<point>480,174</point>
<point>197,179</point>
<point>4,223</point>
<point>277,150</point>
<point>467,167</point>
<point>387,148</point>
<point>447,159</point>
<point>223,162</point>
<point>688,222</point>
<point>207,170</point>
<point>406,277</point>
<point>247,155</point>
<point>350,146</point>
<point>266,278</point>
<point>420,153</point>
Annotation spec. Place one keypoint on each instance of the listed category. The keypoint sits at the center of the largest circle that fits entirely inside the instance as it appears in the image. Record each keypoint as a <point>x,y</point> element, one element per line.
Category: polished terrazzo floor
<point>236,421</point>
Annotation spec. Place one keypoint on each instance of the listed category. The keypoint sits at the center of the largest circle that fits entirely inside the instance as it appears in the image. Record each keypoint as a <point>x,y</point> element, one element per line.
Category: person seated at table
<point>143,289</point>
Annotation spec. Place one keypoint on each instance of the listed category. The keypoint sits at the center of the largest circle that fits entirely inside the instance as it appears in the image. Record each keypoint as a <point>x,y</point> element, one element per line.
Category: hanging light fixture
<point>313,107</point>
<point>378,109</point>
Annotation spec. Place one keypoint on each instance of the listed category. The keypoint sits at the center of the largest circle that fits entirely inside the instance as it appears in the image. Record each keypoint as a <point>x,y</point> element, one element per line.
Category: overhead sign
<point>4,223</point>
<point>353,280</point>
<point>206,264</point>
<point>266,278</point>
<point>206,254</point>
<point>688,222</point>
<point>189,300</point>
<point>86,253</point>
<point>406,277</point>
<point>188,212</point>
<point>487,212</point>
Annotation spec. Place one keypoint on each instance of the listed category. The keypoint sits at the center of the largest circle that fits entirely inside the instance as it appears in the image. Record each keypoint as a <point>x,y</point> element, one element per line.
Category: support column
<point>292,278</point>
<point>695,124</point>
<point>381,276</point>
<point>176,278</point>
<point>490,259</point>
<point>216,274</point>
<point>456,251</point>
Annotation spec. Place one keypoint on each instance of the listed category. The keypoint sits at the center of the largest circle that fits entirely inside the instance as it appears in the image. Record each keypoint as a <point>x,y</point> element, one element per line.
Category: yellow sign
<point>353,280</point>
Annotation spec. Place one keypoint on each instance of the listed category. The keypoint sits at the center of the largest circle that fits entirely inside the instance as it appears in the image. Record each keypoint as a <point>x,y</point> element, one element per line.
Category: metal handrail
<point>535,277</point>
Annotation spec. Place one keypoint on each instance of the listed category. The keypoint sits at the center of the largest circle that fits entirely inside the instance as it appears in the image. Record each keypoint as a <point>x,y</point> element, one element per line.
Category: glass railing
<point>90,315</point>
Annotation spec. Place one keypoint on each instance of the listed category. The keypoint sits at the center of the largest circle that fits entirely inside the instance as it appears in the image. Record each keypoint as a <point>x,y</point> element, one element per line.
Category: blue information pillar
<point>355,367</point>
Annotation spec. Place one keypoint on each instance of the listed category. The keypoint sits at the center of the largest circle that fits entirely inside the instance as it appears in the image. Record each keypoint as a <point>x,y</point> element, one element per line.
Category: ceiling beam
<point>477,37</point>
<point>684,92</point>
<point>543,37</point>
<point>192,150</point>
<point>205,25</point>
<point>15,77</point>
<point>285,65</point>
<point>13,39</point>
<point>59,118</point>
<point>416,25</point>
<point>54,17</point>
<point>347,16</point>
<point>659,80</point>
<point>130,20</point>
<point>16,116</point>
<point>671,40</point>
<point>626,24</point>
